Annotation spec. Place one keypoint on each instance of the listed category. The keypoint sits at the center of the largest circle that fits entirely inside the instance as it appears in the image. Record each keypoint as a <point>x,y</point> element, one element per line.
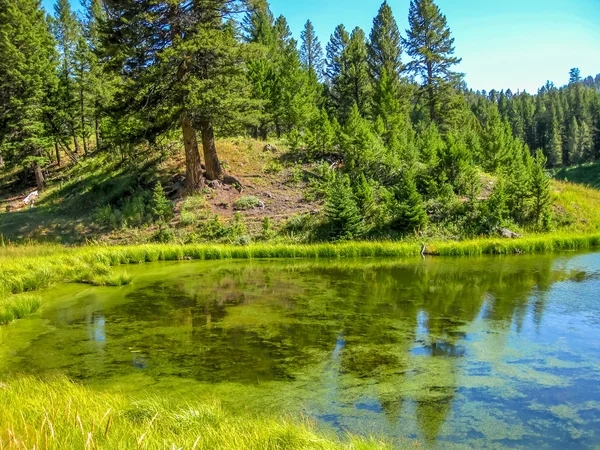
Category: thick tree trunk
<point>214,171</point>
<point>39,176</point>
<point>193,163</point>
<point>1,162</point>
<point>57,150</point>
<point>262,132</point>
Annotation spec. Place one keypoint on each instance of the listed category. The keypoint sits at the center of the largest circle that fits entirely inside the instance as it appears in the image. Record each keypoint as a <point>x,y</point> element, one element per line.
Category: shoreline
<point>28,269</point>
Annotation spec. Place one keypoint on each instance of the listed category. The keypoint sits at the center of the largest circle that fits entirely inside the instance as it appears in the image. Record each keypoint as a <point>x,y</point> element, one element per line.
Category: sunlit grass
<point>18,307</point>
<point>59,414</point>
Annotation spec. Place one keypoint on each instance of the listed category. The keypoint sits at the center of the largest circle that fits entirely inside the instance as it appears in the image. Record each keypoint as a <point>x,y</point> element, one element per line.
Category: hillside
<point>70,209</point>
<point>105,199</point>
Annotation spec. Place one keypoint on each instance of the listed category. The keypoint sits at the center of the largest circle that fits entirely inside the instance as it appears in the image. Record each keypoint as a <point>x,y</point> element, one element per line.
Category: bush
<point>247,202</point>
<point>103,216</point>
<point>212,229</point>
<point>341,211</point>
<point>237,227</point>
<point>135,210</point>
<point>273,167</point>
<point>162,208</point>
<point>163,235</point>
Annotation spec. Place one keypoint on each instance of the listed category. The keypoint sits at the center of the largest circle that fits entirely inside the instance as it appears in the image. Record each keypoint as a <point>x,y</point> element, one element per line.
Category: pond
<point>491,352</point>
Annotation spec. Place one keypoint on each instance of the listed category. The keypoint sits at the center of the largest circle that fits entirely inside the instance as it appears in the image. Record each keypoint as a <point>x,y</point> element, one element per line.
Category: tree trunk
<point>214,171</point>
<point>57,150</point>
<point>1,162</point>
<point>262,131</point>
<point>85,146</point>
<point>76,142</point>
<point>39,176</point>
<point>430,92</point>
<point>193,162</point>
<point>97,126</point>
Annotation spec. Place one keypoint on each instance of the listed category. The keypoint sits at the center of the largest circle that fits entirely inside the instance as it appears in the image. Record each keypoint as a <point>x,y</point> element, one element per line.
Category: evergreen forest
<point>381,122</point>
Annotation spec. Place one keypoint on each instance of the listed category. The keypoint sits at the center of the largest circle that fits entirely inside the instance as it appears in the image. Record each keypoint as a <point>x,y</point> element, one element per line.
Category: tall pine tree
<point>431,46</point>
<point>27,77</point>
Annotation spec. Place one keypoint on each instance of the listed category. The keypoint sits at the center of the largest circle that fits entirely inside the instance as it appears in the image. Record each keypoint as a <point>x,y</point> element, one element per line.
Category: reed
<point>58,414</point>
<point>18,307</point>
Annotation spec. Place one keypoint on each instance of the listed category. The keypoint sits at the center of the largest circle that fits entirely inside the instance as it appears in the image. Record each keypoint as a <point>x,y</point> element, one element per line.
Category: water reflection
<point>479,351</point>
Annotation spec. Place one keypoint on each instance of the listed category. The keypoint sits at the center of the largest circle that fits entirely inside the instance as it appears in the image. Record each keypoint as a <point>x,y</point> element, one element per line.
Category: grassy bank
<point>24,271</point>
<point>61,415</point>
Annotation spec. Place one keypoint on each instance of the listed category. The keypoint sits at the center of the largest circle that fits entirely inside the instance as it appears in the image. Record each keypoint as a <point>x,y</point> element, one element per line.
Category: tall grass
<point>18,307</point>
<point>61,415</point>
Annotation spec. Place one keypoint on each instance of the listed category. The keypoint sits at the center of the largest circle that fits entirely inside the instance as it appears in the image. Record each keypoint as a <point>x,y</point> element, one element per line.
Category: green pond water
<point>492,352</point>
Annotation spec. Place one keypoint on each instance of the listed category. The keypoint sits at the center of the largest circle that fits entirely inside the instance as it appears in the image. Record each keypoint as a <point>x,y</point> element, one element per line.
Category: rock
<point>31,197</point>
<point>187,258</point>
<point>269,148</point>
<point>506,233</point>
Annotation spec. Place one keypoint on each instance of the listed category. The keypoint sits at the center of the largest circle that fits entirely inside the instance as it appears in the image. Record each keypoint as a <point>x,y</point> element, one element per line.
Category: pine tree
<point>553,149</point>
<point>324,133</point>
<point>540,192</point>
<point>390,92</point>
<point>431,146</point>
<point>585,143</point>
<point>102,83</point>
<point>354,83</point>
<point>334,67</point>
<point>384,47</point>
<point>431,46</point>
<point>341,211</point>
<point>184,64</point>
<point>410,214</point>
<point>311,52</point>
<point>496,206</point>
<point>574,76</point>
<point>572,150</point>
<point>27,77</point>
<point>162,208</point>
<point>67,31</point>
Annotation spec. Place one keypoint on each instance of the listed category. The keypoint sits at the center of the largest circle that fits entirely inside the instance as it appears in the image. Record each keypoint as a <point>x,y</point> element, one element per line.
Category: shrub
<point>213,229</point>
<point>162,208</point>
<point>103,216</point>
<point>163,235</point>
<point>135,210</point>
<point>273,167</point>
<point>410,213</point>
<point>341,211</point>
<point>237,227</point>
<point>247,202</point>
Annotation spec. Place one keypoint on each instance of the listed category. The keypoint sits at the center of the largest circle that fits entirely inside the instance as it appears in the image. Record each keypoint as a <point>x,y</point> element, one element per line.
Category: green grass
<point>18,307</point>
<point>576,207</point>
<point>59,414</point>
<point>246,202</point>
<point>587,174</point>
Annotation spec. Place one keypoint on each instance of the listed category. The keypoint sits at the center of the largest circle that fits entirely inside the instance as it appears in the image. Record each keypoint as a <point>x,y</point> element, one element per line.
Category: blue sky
<point>516,44</point>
